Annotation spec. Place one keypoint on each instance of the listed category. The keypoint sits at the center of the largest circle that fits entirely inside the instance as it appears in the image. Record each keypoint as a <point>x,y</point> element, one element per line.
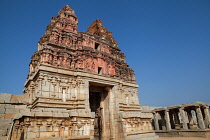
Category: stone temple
<point>79,87</point>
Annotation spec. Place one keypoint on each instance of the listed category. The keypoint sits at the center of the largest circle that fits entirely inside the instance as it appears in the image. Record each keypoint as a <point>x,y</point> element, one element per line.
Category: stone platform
<point>184,133</point>
<point>79,86</point>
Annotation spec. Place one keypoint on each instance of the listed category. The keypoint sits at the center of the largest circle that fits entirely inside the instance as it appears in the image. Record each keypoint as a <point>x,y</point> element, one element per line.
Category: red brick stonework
<point>79,87</point>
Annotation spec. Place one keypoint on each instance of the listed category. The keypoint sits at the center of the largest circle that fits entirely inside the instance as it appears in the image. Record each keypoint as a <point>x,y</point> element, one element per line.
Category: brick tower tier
<point>80,87</point>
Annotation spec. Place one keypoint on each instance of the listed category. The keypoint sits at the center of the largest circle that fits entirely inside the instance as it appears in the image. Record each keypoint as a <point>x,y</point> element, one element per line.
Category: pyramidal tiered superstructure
<point>80,87</point>
<point>94,51</point>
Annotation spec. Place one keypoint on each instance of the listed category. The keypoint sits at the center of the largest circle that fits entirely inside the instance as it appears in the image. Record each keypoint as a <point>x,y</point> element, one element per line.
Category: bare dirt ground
<point>182,138</point>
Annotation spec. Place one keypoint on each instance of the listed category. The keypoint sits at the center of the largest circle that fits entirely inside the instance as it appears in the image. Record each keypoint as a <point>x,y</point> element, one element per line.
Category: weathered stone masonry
<point>183,120</point>
<point>80,87</point>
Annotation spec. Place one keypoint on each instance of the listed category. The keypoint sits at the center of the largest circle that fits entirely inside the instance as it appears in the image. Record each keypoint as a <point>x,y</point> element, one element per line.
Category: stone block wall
<point>10,107</point>
<point>79,87</point>
<point>148,109</point>
<point>47,127</point>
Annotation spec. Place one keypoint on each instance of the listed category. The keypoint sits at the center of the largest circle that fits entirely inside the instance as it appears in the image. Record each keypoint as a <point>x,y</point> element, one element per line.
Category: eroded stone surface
<point>191,119</point>
<point>79,87</point>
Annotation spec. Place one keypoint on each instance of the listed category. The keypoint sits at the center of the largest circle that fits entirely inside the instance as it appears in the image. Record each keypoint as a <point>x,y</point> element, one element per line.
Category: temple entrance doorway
<point>99,106</point>
<point>95,100</point>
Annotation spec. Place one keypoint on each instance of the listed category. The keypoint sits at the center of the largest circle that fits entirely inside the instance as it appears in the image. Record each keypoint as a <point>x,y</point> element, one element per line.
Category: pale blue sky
<point>166,42</point>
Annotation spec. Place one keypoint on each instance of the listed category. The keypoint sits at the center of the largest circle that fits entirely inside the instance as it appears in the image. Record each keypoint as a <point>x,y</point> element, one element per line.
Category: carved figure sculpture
<point>80,87</point>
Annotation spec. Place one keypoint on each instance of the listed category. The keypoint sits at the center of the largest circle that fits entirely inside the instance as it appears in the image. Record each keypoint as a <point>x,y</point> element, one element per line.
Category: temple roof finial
<point>97,28</point>
<point>68,10</point>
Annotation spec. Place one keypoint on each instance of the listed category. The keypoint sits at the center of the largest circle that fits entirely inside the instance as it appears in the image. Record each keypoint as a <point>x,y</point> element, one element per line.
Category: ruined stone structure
<point>79,87</point>
<point>183,120</point>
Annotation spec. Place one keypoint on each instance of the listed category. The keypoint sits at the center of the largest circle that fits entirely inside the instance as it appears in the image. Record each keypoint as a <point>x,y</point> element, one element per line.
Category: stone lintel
<point>160,109</point>
<point>196,104</point>
<point>50,68</point>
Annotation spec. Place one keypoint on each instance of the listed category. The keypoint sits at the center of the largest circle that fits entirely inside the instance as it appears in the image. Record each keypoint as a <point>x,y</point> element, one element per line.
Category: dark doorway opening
<point>95,101</point>
<point>99,106</point>
<point>96,45</point>
<point>99,70</point>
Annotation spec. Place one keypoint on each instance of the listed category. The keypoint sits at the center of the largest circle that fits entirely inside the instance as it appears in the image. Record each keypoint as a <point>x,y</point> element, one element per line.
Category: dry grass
<point>182,138</point>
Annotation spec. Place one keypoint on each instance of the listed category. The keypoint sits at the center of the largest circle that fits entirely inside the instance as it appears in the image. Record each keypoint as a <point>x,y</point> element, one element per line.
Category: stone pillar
<point>41,81</point>
<point>119,134</point>
<point>168,124</point>
<point>183,118</point>
<point>189,115</point>
<point>57,90</point>
<point>105,114</point>
<point>200,118</point>
<point>176,117</point>
<point>163,122</point>
<point>86,95</point>
<point>33,94</point>
<point>53,89</point>
<point>156,121</point>
<point>171,115</point>
<point>64,94</point>
<point>82,88</point>
<point>116,127</point>
<point>111,114</point>
<point>207,117</point>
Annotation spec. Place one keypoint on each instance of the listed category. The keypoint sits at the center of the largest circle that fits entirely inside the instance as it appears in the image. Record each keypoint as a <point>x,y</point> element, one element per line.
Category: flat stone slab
<point>182,138</point>
<point>5,97</point>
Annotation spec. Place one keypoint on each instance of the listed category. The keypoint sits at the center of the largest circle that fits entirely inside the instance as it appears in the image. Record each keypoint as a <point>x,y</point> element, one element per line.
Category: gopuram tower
<point>80,87</point>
